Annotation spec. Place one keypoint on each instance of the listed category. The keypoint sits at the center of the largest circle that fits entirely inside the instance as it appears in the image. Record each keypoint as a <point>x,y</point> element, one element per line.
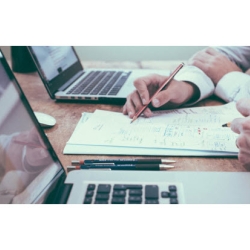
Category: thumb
<point>160,99</point>
<point>243,106</point>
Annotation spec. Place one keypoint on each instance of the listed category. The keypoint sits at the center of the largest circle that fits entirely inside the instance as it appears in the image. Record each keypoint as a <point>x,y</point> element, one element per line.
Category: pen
<point>160,89</point>
<point>153,167</point>
<point>227,125</point>
<point>122,161</point>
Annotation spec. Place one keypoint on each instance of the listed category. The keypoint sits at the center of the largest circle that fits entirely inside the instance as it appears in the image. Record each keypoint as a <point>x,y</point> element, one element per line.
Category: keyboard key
<point>135,200</point>
<point>135,192</point>
<point>172,188</point>
<point>87,200</point>
<point>151,201</point>
<point>102,197</point>
<point>120,193</point>
<point>173,195</point>
<point>151,192</point>
<point>117,200</point>
<point>91,187</point>
<point>101,202</point>
<point>103,188</point>
<point>129,186</point>
<point>173,201</point>
<point>165,194</point>
<point>89,193</point>
<point>119,187</point>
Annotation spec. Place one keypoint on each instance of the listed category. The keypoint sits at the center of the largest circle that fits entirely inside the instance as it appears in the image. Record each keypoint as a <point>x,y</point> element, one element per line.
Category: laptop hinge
<point>63,194</point>
<point>71,80</point>
<point>60,192</point>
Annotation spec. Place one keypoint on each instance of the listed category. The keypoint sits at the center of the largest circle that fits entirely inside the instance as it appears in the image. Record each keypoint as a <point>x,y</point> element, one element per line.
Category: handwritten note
<point>190,128</point>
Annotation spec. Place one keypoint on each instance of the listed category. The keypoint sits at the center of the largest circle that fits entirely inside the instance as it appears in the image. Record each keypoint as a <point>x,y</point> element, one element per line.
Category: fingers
<point>202,56</point>
<point>147,86</point>
<point>241,125</point>
<point>243,143</point>
<point>176,94</point>
<point>212,51</point>
<point>133,104</point>
<point>243,106</point>
<point>236,125</point>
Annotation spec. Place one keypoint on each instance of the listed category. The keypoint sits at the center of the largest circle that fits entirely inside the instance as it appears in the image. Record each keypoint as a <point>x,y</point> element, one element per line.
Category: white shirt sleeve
<point>233,86</point>
<point>197,77</point>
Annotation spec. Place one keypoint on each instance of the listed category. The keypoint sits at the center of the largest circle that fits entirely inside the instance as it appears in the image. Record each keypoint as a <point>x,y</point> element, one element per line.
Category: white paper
<point>190,131</point>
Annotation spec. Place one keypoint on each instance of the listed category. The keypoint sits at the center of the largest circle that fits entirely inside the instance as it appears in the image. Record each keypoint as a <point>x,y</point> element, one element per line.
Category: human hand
<point>213,63</point>
<point>27,152</point>
<point>176,94</point>
<point>241,126</point>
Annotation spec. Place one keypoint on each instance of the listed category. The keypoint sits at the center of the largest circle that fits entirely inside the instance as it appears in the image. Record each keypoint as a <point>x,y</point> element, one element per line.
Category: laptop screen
<point>58,66</point>
<point>28,164</point>
<point>54,59</point>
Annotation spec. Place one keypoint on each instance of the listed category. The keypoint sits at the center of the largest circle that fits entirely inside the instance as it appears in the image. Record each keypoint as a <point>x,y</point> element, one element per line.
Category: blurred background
<point>129,53</point>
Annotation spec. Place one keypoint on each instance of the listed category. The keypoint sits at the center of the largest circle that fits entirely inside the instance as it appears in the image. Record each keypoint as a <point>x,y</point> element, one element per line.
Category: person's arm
<point>240,55</point>
<point>189,86</point>
<point>241,126</point>
<point>234,86</point>
<point>225,66</point>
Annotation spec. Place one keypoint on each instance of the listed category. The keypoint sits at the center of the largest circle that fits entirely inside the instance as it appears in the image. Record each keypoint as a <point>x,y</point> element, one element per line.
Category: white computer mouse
<point>46,121</point>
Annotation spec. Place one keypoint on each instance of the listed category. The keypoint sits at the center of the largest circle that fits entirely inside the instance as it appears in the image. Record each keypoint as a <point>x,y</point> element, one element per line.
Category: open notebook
<point>180,132</point>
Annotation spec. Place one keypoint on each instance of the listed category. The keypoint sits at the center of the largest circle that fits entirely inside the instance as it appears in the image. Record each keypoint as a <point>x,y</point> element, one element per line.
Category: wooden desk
<point>68,114</point>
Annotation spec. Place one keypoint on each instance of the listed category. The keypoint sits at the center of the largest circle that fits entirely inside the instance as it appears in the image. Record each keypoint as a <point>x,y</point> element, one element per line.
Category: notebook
<point>66,79</point>
<point>31,172</point>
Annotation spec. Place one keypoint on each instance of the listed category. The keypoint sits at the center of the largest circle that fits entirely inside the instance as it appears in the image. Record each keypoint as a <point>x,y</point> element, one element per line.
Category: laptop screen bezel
<point>66,77</point>
<point>61,174</point>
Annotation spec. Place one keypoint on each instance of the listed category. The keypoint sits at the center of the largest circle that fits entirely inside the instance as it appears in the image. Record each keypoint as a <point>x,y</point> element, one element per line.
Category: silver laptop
<point>30,171</point>
<point>65,78</point>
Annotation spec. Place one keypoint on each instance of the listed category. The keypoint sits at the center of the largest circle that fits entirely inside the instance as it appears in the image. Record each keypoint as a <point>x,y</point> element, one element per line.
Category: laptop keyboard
<point>100,83</point>
<point>132,194</point>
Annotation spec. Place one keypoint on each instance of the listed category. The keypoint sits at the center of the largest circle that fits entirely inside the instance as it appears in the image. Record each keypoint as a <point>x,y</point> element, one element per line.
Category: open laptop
<point>30,171</point>
<point>65,78</point>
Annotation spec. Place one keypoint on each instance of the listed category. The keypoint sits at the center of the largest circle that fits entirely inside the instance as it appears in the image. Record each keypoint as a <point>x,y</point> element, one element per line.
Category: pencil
<point>121,161</point>
<point>227,125</point>
<point>160,89</point>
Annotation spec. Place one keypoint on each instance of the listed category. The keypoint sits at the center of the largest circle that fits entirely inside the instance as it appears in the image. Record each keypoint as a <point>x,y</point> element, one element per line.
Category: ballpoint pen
<point>122,161</point>
<point>154,167</point>
<point>160,89</point>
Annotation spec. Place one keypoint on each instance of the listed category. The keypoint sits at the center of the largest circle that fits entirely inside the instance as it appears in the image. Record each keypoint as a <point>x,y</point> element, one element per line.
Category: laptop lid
<point>58,66</point>
<point>29,168</point>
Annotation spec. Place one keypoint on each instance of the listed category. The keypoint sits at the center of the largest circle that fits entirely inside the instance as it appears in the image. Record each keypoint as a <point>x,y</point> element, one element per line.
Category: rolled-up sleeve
<point>199,78</point>
<point>233,86</point>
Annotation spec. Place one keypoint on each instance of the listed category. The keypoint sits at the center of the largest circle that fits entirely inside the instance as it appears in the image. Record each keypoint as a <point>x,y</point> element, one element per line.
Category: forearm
<point>240,55</point>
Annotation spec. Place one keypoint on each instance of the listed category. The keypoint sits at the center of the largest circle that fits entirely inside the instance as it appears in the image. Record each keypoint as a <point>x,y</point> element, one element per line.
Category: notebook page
<point>182,129</point>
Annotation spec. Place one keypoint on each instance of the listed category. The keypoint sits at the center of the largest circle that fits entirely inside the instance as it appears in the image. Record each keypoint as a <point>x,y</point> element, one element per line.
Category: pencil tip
<point>133,120</point>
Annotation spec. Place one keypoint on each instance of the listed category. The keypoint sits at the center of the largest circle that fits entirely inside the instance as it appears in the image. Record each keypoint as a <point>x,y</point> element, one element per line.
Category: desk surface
<point>68,114</point>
